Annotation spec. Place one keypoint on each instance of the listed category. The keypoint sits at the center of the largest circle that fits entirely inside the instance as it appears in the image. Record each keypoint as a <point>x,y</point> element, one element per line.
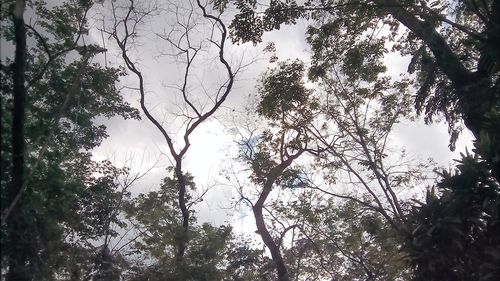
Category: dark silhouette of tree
<point>455,63</point>
<point>49,96</point>
<point>331,198</point>
<point>284,105</point>
<point>453,47</point>
<point>455,230</point>
<point>124,30</point>
<point>213,254</point>
<point>347,136</point>
<point>17,270</point>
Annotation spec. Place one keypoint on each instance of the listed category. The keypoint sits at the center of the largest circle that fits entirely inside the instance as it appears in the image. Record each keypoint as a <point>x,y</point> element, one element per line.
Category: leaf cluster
<point>455,232</point>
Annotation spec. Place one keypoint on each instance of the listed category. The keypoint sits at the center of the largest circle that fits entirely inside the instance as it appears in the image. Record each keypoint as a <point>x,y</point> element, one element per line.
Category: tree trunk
<point>271,245</point>
<point>18,260</point>
<point>181,181</point>
<point>476,94</point>
<point>261,224</point>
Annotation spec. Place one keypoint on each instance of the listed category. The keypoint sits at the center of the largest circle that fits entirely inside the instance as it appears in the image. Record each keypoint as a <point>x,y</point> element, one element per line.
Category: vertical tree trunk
<point>262,230</point>
<point>270,244</point>
<point>18,111</point>
<point>18,254</point>
<point>181,181</point>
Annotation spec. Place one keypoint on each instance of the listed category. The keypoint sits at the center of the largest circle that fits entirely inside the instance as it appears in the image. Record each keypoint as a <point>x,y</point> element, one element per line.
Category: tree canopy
<point>330,194</point>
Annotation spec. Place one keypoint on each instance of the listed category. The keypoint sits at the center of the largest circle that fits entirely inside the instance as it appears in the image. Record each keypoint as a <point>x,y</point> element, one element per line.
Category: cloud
<point>210,142</point>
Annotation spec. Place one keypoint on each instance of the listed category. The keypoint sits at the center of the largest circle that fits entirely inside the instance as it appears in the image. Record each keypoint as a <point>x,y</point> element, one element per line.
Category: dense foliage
<point>455,68</point>
<point>64,199</point>
<point>332,197</point>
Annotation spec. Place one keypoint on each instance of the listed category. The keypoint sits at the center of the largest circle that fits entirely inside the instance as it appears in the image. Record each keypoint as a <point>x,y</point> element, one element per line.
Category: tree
<point>125,29</point>
<point>453,48</point>
<point>455,231</point>
<point>213,254</point>
<point>51,94</point>
<point>346,137</point>
<point>360,109</point>
<point>284,104</point>
<point>455,63</point>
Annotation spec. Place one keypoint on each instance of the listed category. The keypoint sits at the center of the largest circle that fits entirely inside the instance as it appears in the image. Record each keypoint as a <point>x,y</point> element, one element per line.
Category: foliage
<point>283,92</point>
<point>211,253</point>
<point>330,199</point>
<point>455,231</point>
<point>65,202</point>
<point>452,46</point>
<point>454,68</point>
<point>340,240</point>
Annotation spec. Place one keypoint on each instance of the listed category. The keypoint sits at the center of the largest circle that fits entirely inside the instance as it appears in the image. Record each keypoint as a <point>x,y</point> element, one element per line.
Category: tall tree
<point>124,30</point>
<point>16,264</point>
<point>62,91</point>
<point>453,47</point>
<point>342,130</point>
<point>455,67</point>
<point>285,105</point>
<point>213,253</point>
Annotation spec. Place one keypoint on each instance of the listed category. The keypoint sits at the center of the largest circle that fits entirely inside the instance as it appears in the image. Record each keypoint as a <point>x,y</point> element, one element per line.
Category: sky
<point>139,145</point>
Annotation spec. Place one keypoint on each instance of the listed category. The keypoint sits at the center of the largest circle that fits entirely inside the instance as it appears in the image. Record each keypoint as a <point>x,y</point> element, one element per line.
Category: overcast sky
<point>212,143</point>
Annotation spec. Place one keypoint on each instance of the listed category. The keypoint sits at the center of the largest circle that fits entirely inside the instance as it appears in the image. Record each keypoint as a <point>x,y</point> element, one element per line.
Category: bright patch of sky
<point>140,145</point>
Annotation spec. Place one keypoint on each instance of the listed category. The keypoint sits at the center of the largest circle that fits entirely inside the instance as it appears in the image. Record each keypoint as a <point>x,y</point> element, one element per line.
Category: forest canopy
<point>313,166</point>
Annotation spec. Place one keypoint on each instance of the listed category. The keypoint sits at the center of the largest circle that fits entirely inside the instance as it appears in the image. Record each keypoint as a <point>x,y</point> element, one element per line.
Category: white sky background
<point>212,145</point>
<point>139,145</point>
